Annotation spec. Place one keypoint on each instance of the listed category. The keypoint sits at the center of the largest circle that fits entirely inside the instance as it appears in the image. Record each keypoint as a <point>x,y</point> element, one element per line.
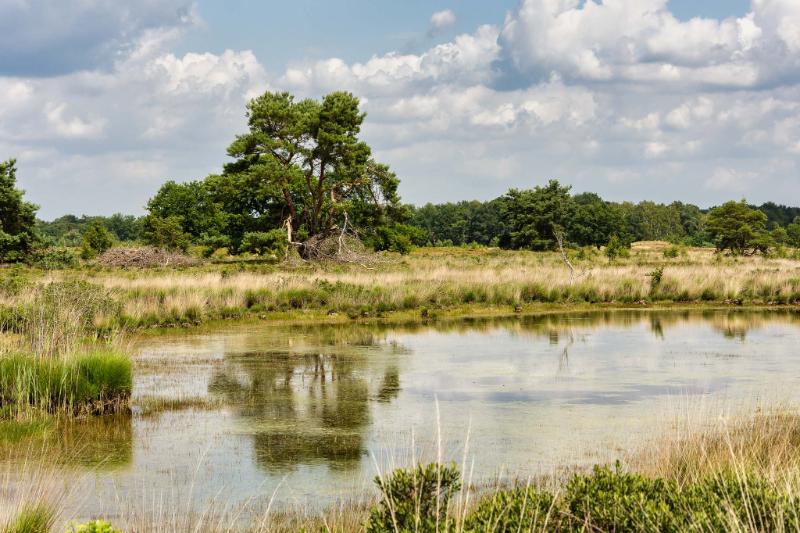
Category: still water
<point>315,411</point>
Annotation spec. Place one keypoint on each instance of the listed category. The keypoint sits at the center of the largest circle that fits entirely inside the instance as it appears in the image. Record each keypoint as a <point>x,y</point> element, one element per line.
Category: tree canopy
<point>738,228</point>
<point>301,166</point>
<point>17,217</point>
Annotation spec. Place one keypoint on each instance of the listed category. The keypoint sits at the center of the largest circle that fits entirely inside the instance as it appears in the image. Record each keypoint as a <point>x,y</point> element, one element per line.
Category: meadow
<point>428,282</point>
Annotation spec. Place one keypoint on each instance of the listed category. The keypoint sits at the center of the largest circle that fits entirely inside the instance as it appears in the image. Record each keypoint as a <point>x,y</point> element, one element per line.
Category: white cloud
<point>441,20</point>
<point>618,96</point>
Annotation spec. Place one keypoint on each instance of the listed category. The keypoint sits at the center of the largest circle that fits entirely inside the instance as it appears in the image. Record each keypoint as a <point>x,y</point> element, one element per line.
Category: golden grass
<point>439,279</point>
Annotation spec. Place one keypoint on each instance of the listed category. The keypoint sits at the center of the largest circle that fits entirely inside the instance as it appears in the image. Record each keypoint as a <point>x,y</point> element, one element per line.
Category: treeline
<point>69,230</point>
<point>525,219</point>
<point>518,219</point>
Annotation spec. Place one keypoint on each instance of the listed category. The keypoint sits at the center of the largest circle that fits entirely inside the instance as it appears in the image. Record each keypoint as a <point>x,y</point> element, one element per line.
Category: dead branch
<point>559,235</point>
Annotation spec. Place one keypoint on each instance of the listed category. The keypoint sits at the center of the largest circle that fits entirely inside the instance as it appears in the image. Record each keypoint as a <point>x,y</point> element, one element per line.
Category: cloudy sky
<point>634,99</point>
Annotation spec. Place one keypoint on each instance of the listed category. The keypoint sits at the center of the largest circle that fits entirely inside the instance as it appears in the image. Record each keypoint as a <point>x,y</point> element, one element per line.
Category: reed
<point>87,383</point>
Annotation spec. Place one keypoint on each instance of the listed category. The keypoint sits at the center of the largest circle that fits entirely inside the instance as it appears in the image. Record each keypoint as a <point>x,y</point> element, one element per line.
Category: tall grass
<point>428,279</point>
<point>87,383</point>
<point>55,364</point>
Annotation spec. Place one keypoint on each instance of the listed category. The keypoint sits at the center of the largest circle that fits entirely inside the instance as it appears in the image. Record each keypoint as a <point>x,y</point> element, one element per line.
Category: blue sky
<point>280,33</point>
<point>102,101</point>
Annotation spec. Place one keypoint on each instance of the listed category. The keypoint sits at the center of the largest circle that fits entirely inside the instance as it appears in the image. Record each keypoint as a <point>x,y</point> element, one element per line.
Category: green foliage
<point>396,238</point>
<point>54,258</point>
<point>273,242</point>
<point>655,278</point>
<point>34,518</point>
<point>605,499</point>
<point>736,227</point>
<point>522,509</point>
<point>531,216</point>
<point>728,498</point>
<point>68,230</point>
<point>166,233</point>
<point>304,160</point>
<point>17,218</point>
<point>62,313</point>
<point>616,248</point>
<point>95,526</point>
<point>793,233</point>
<point>96,240</point>
<point>613,500</point>
<point>594,221</point>
<point>192,204</point>
<point>672,252</point>
<point>459,223</point>
<point>414,499</point>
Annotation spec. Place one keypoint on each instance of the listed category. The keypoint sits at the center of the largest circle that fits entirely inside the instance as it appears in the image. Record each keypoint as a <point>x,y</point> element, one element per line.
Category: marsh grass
<point>423,282</point>
<point>80,384</point>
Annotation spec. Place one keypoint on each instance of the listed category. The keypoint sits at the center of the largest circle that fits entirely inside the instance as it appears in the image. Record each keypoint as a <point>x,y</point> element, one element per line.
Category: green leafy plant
<point>414,499</point>
<point>95,526</point>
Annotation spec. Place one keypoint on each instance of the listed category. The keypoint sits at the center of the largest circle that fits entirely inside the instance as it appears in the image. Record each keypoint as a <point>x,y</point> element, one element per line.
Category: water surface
<point>315,410</point>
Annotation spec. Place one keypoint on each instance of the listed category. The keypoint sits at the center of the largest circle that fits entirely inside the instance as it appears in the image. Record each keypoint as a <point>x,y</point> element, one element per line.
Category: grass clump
<point>33,518</point>
<point>91,383</point>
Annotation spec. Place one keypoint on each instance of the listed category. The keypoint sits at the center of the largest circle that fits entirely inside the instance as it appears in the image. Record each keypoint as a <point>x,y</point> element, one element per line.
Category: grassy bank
<point>426,283</point>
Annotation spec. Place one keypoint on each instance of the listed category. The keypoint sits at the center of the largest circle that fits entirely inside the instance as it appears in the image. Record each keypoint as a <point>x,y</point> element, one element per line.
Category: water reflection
<point>299,408</point>
<point>307,406</point>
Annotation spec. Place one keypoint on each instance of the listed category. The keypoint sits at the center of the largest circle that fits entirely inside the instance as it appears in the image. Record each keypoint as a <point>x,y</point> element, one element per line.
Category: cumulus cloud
<point>440,21</point>
<point>50,37</point>
<point>103,140</point>
<point>618,97</point>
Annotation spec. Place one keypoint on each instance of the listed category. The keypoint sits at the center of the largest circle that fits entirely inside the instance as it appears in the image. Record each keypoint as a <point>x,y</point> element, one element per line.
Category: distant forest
<point>479,222</point>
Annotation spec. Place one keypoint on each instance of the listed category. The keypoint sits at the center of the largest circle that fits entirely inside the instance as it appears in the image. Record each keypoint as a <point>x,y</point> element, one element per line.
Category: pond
<point>310,414</point>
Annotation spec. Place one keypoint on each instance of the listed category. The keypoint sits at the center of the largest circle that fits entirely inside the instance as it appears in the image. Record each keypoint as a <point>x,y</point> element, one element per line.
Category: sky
<point>102,101</point>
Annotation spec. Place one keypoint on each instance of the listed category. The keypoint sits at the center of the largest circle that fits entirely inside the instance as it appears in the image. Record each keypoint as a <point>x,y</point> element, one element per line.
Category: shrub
<point>728,499</point>
<point>524,509</point>
<point>616,248</point>
<point>672,252</point>
<point>63,312</point>
<point>166,233</point>
<point>612,500</point>
<point>414,499</point>
<point>96,240</point>
<point>95,526</point>
<point>54,258</point>
<point>273,242</point>
<point>655,278</point>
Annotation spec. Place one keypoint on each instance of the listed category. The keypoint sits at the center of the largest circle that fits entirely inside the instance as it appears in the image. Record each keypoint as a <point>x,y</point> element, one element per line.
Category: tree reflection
<point>303,408</point>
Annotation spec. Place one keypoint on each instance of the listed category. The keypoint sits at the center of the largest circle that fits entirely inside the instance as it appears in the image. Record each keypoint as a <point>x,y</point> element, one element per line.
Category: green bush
<point>54,258</point>
<point>616,248</point>
<point>414,499</point>
<point>672,252</point>
<point>95,526</point>
<point>612,500</point>
<point>273,242</point>
<point>96,240</point>
<point>523,509</point>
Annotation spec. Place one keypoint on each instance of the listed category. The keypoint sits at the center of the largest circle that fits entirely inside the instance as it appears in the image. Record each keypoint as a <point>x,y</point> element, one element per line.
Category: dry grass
<point>767,443</point>
<point>437,279</point>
